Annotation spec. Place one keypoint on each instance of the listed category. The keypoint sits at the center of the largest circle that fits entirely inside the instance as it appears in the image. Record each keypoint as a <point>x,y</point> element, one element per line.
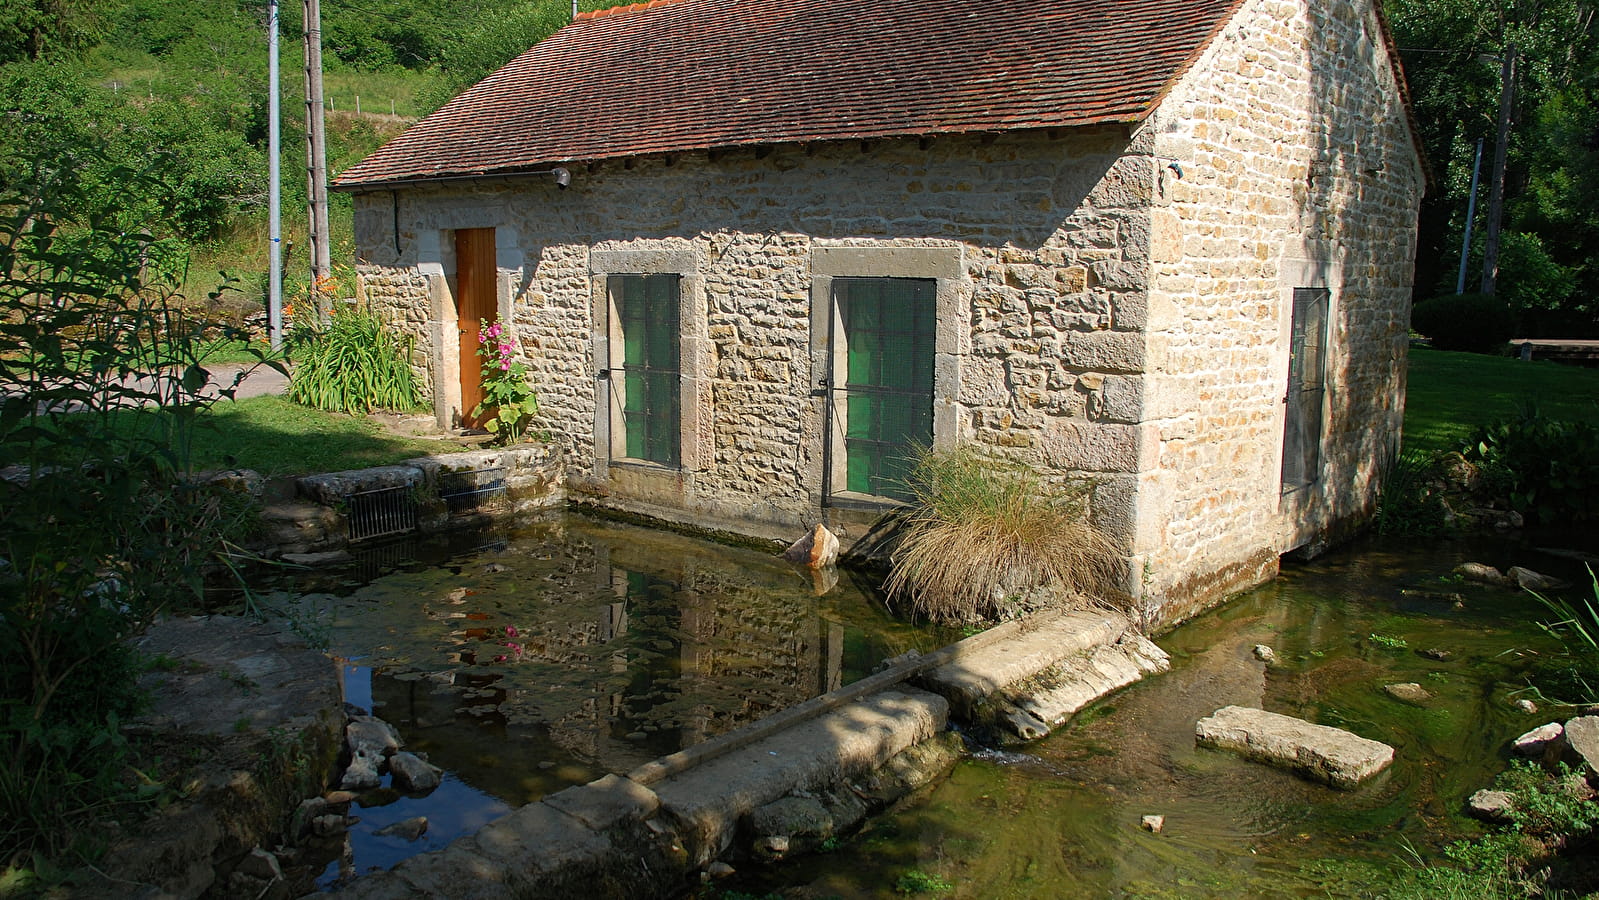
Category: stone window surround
<point>1294,273</point>
<point>605,332</point>
<point>943,265</point>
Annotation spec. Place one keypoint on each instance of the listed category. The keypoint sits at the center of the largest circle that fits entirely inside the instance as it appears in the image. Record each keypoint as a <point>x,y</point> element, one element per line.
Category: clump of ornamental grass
<point>985,535</point>
<point>353,363</point>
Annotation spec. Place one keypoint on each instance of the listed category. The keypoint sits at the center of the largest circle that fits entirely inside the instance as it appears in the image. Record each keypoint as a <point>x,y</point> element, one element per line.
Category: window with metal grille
<point>647,311</point>
<point>886,398</point>
<point>1307,388</point>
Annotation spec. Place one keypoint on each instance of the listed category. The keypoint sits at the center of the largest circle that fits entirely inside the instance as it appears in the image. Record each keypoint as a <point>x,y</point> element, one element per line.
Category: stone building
<point>756,250</point>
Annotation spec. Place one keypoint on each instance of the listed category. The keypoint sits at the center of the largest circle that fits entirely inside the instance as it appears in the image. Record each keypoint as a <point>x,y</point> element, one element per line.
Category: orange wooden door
<point>476,300</point>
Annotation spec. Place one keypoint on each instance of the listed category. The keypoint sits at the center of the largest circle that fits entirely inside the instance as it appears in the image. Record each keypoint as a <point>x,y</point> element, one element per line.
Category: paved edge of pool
<point>786,784</point>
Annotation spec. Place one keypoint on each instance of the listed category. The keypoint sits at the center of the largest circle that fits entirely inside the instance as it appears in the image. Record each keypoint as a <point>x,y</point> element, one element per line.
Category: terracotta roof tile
<point>675,75</point>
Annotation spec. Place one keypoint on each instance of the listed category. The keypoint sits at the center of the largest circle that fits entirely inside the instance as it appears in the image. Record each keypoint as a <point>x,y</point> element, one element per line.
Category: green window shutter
<point>647,306</point>
<point>888,343</point>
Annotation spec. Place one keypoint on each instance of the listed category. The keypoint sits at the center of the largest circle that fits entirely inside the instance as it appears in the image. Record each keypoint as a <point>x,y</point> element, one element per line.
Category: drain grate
<point>381,513</point>
<point>473,491</point>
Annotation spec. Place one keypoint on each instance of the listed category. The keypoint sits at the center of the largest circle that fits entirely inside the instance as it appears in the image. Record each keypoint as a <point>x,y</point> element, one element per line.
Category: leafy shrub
<point>983,532</point>
<point>1546,469</point>
<point>101,526</point>
<point>1405,501</point>
<point>354,364</point>
<point>1477,323</point>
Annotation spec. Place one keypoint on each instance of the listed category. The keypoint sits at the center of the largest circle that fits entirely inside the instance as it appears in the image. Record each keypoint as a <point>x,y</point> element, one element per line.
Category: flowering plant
<point>505,387</point>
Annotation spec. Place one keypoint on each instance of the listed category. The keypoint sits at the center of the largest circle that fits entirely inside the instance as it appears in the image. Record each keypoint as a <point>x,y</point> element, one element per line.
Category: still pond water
<point>547,656</point>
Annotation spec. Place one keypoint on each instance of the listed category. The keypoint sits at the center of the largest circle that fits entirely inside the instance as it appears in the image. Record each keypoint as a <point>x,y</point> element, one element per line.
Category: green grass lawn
<point>276,437</point>
<point>1450,394</point>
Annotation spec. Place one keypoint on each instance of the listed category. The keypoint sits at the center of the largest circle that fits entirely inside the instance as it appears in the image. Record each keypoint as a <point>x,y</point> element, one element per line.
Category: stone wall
<point>1048,235</point>
<point>1298,170</point>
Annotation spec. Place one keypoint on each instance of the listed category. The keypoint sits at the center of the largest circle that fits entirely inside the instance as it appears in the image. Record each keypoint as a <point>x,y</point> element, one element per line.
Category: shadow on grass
<point>276,437</point>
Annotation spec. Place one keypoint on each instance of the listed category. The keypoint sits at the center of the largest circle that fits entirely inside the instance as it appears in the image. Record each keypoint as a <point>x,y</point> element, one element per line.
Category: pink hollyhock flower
<point>500,658</point>
<point>505,365</point>
<point>510,631</point>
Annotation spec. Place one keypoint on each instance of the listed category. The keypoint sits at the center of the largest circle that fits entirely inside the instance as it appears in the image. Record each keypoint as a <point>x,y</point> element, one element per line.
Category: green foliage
<point>35,29</point>
<point>917,881</point>
<point>101,523</point>
<point>1405,501</point>
<point>1388,641</point>
<point>1547,469</point>
<point>984,531</point>
<point>1476,323</point>
<point>1576,624</point>
<point>505,387</point>
<point>353,364</point>
<point>489,43</point>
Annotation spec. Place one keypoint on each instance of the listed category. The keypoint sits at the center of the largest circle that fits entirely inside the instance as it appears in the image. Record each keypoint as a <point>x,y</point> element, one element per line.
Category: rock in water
<point>1265,654</point>
<point>817,549</point>
<point>409,829</point>
<point>1483,574</point>
<point>1528,580</point>
<point>371,736</point>
<point>1409,691</point>
<point>1582,737</point>
<point>1153,823</point>
<point>1536,741</point>
<point>1329,755</point>
<point>362,775</point>
<point>1491,806</point>
<point>414,775</point>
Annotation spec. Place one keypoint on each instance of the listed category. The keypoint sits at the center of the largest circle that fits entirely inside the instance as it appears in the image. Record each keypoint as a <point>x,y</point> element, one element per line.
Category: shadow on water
<point>1061,819</point>
<point>528,661</point>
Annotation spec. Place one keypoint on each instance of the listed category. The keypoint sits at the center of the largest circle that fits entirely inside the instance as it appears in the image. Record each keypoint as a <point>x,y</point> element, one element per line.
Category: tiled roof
<point>676,75</point>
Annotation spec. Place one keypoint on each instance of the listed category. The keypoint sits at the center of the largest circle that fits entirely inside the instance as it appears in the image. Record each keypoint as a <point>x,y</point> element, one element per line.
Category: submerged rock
<point>407,829</point>
<point>1318,752</point>
<point>1152,823</point>
<point>1409,691</point>
<point>413,774</point>
<point>1528,580</point>
<point>1265,654</point>
<point>1436,653</point>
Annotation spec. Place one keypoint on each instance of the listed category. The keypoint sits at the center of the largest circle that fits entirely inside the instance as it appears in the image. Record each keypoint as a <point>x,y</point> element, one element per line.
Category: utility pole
<point>274,187</point>
<point>1496,191</point>
<point>1471,216</point>
<point>316,153</point>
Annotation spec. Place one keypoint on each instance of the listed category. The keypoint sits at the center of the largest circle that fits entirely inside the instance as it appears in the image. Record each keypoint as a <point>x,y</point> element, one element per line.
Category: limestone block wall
<point>1297,171</point>
<point>1039,243</point>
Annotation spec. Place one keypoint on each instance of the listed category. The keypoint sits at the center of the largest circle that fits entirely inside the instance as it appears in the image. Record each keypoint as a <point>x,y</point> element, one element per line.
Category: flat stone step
<point>1317,752</point>
<point>973,677</point>
<point>1056,694</point>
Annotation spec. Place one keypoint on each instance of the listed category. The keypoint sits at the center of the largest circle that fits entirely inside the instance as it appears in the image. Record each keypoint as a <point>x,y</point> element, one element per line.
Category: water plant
<point>506,391</point>
<point>917,881</point>
<point>984,531</point>
<point>352,363</point>
<point>1576,624</point>
<point>1406,504</point>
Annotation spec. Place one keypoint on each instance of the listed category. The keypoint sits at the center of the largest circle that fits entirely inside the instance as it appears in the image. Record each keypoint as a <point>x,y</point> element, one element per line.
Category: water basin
<point>566,648</point>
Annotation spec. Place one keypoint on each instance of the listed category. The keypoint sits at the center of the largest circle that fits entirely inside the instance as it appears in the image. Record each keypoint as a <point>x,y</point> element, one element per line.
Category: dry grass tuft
<point>985,533</point>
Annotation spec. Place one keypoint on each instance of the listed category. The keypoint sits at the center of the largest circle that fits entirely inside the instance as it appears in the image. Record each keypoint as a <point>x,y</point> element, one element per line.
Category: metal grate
<point>473,491</point>
<point>380,513</point>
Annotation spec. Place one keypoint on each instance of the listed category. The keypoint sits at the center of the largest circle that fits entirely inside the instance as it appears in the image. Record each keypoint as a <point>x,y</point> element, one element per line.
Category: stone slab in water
<point>1318,752</point>
<point>975,676</point>
<point>1057,693</point>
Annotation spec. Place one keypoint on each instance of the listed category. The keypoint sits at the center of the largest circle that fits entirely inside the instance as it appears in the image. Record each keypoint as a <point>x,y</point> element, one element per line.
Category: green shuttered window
<point>647,306</point>
<point>889,332</point>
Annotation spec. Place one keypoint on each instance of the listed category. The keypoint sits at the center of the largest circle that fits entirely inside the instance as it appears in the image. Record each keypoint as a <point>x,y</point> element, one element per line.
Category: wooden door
<point>476,301</point>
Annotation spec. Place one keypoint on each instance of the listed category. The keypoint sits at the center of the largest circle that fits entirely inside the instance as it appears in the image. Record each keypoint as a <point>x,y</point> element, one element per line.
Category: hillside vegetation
<point>93,92</point>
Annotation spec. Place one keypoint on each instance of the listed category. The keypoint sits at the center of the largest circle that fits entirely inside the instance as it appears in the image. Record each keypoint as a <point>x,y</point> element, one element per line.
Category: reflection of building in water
<point>676,650</point>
